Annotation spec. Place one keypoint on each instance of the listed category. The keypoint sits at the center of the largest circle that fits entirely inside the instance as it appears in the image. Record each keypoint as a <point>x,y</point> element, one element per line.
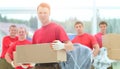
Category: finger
<point>52,46</point>
<point>24,66</point>
<point>55,41</point>
<point>55,47</point>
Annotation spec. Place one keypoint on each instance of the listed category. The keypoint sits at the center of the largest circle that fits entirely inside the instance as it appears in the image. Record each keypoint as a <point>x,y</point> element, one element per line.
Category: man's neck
<point>103,33</point>
<point>45,23</point>
<point>12,36</point>
<point>21,39</point>
<point>81,33</point>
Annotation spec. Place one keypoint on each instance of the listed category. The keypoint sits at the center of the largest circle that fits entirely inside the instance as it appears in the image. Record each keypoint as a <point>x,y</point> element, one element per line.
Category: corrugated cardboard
<point>112,43</point>
<point>14,53</point>
<point>38,53</point>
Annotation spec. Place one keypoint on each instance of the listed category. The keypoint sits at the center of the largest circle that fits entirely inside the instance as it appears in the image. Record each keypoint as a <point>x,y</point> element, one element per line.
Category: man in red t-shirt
<point>50,32</point>
<point>85,39</point>
<point>21,41</point>
<point>103,28</point>
<point>6,43</point>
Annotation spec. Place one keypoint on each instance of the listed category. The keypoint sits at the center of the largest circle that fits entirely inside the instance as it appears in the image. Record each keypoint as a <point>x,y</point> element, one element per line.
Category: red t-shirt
<point>85,39</point>
<point>98,37</point>
<point>49,33</point>
<point>20,67</point>
<point>6,43</point>
<point>13,47</point>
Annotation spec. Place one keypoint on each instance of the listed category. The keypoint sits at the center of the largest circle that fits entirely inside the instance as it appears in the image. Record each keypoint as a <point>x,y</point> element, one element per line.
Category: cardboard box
<point>14,53</point>
<point>112,43</point>
<point>38,53</point>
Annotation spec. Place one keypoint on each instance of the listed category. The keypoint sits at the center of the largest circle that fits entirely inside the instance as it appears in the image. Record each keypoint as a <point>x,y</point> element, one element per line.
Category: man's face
<point>79,28</point>
<point>13,31</point>
<point>21,33</point>
<point>103,27</point>
<point>43,14</point>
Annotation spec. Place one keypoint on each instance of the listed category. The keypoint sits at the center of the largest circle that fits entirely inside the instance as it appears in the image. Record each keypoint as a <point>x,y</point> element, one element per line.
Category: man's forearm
<point>7,57</point>
<point>96,50</point>
<point>68,46</point>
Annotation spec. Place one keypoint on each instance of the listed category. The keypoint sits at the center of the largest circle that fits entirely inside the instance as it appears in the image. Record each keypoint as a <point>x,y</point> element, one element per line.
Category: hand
<point>24,66</point>
<point>57,45</point>
<point>92,58</point>
<point>12,63</point>
<point>27,65</point>
<point>95,53</point>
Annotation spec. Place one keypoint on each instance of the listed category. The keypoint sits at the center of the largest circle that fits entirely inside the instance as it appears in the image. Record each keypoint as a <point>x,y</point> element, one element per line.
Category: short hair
<point>78,22</point>
<point>44,5</point>
<point>12,26</point>
<point>22,28</point>
<point>103,22</point>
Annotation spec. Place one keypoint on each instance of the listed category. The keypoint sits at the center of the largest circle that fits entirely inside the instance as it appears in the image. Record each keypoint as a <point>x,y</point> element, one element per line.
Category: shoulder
<point>53,24</point>
<point>76,37</point>
<point>98,34</point>
<point>56,26</point>
<point>36,31</point>
<point>89,35</point>
<point>6,37</point>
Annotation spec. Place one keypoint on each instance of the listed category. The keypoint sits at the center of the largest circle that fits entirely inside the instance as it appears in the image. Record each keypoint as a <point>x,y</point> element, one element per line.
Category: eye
<point>19,32</point>
<point>77,27</point>
<point>40,12</point>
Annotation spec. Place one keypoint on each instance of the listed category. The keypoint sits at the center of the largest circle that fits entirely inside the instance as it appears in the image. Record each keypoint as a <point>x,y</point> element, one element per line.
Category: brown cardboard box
<point>38,53</point>
<point>14,53</point>
<point>112,43</point>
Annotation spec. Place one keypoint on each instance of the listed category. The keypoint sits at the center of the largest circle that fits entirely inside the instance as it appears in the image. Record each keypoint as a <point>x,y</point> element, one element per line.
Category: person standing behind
<point>22,33</point>
<point>103,28</point>
<point>50,32</point>
<point>6,43</point>
<point>85,38</point>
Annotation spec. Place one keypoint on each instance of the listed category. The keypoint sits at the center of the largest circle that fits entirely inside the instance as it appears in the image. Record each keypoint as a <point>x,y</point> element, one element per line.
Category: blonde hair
<point>44,5</point>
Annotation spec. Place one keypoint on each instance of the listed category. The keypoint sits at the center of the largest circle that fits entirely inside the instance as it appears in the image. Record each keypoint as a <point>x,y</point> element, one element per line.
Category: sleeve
<point>94,41</point>
<point>11,49</point>
<point>5,46</point>
<point>96,37</point>
<point>5,43</point>
<point>73,40</point>
<point>33,39</point>
<point>61,34</point>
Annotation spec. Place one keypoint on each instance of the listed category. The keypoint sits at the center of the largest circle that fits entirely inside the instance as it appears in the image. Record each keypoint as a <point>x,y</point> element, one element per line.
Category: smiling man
<point>50,32</point>
<point>103,28</point>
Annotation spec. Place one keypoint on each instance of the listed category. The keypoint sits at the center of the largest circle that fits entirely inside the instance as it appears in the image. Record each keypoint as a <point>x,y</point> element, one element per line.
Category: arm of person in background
<point>95,46</point>
<point>5,44</point>
<point>8,59</point>
<point>96,49</point>
<point>9,56</point>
